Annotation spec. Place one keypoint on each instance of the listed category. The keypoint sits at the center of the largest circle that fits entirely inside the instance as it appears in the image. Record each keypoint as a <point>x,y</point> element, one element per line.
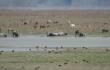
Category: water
<point>32,41</point>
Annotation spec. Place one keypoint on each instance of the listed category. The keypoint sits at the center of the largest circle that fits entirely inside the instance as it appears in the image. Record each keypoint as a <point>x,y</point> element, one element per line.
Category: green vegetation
<point>94,58</point>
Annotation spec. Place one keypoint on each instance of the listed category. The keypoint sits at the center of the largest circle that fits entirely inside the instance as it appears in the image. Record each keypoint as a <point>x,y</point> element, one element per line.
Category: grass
<point>78,59</point>
<point>91,24</point>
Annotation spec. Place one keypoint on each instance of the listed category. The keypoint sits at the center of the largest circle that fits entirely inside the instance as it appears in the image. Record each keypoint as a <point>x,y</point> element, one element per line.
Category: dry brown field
<point>91,22</point>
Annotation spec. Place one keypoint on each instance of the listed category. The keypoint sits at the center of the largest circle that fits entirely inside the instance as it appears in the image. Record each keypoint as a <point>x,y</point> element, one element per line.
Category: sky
<point>56,4</point>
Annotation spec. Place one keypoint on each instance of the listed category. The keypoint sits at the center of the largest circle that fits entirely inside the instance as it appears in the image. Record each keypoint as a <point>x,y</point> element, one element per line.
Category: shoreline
<point>43,49</point>
<point>72,35</point>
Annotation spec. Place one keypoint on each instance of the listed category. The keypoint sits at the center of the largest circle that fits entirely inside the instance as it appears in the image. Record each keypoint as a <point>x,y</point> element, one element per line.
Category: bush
<point>105,30</point>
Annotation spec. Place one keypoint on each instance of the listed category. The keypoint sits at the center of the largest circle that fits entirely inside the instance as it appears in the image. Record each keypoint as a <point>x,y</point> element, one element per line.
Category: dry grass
<point>90,22</point>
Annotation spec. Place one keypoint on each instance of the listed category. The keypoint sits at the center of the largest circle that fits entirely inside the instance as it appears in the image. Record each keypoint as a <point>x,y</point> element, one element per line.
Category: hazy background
<point>56,4</point>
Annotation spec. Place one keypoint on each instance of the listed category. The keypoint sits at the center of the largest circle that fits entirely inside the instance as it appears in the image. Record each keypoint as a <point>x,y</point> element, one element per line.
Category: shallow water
<point>33,41</point>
